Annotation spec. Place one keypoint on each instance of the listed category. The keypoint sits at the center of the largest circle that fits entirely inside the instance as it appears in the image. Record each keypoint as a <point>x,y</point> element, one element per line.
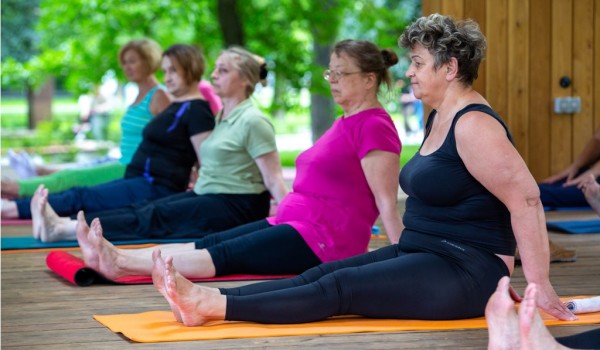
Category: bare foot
<point>591,190</point>
<point>37,205</point>
<point>534,334</point>
<point>9,209</point>
<point>88,249</point>
<point>502,320</point>
<point>158,272</point>
<point>196,304</point>
<point>47,225</point>
<point>110,262</point>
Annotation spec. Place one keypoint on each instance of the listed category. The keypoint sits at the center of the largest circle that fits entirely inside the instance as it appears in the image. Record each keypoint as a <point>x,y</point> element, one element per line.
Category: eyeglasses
<point>336,75</point>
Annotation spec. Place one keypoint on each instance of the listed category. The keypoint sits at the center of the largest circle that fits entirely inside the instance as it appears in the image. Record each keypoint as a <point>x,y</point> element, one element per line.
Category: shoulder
<point>160,100</point>
<point>376,120</point>
<point>199,110</point>
<point>476,115</point>
<point>481,123</point>
<point>199,104</point>
<point>254,116</point>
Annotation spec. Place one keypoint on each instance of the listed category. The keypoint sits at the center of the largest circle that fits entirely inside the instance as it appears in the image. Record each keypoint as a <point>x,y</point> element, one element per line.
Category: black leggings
<point>183,215</point>
<point>584,340</point>
<point>259,248</point>
<point>419,278</point>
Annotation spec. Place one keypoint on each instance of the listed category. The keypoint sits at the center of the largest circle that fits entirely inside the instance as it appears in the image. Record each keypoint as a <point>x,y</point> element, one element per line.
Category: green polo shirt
<point>228,154</point>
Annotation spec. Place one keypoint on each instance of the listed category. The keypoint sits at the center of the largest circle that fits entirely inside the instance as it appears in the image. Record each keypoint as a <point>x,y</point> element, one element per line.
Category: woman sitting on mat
<point>240,171</point>
<point>471,200</point>
<point>343,183</point>
<point>162,163</point>
<point>564,189</point>
<point>139,59</point>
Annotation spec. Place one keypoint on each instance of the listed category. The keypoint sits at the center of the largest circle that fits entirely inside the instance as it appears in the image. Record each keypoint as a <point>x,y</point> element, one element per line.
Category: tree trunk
<point>278,106</point>
<point>230,22</point>
<point>39,103</point>
<point>322,107</point>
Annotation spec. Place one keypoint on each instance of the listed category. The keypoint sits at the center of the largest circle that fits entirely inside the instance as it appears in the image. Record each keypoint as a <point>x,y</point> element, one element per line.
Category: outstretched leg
<point>534,334</point>
<point>502,320</point>
<point>47,225</point>
<point>9,189</point>
<point>196,304</point>
<point>158,280</point>
<point>591,190</point>
<point>9,209</point>
<point>509,330</point>
<point>112,262</point>
<point>88,249</point>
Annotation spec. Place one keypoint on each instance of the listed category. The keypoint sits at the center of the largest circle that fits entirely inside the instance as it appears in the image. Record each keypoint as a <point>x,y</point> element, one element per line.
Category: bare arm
<point>159,102</point>
<point>197,140</point>
<point>381,170</point>
<point>491,158</point>
<point>270,169</point>
<point>590,156</point>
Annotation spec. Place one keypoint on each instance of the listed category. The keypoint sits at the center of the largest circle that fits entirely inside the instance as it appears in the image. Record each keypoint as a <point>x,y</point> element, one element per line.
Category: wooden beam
<point>583,64</point>
<point>561,54</point>
<point>539,89</point>
<point>518,74</point>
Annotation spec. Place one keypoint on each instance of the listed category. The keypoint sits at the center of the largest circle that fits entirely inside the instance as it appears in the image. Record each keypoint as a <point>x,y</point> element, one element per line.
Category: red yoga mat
<point>15,222</point>
<point>73,269</point>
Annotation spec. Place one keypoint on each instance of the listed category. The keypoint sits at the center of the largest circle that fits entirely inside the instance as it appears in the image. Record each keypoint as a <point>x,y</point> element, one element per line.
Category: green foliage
<point>78,41</point>
<point>408,151</point>
<point>19,36</point>
<point>90,33</point>
<point>288,157</point>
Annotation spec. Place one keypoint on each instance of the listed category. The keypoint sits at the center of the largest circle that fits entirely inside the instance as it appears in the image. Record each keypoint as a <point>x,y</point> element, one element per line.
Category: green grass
<point>58,130</point>
<point>65,114</point>
<point>288,158</point>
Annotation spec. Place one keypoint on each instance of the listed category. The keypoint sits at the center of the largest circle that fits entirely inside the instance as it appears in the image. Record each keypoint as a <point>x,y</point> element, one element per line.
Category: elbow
<point>533,196</point>
<point>533,201</point>
<point>528,199</point>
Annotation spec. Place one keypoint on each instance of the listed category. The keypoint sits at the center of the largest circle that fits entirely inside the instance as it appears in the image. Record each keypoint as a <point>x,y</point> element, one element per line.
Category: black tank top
<point>444,200</point>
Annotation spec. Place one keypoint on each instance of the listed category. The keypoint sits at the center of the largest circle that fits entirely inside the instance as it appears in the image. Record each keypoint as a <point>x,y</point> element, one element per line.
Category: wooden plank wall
<point>531,45</point>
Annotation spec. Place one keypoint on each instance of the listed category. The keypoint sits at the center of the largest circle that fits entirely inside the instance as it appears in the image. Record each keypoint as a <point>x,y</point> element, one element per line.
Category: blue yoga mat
<point>566,208</point>
<point>575,226</point>
<point>14,243</point>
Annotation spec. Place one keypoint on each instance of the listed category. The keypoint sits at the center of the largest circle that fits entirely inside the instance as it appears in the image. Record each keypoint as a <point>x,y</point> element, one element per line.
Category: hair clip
<point>263,71</point>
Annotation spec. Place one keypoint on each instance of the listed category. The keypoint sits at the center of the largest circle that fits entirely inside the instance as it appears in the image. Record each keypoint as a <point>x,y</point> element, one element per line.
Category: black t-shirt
<point>166,154</point>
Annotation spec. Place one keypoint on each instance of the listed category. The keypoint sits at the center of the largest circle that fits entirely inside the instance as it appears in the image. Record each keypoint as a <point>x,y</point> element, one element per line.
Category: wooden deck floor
<point>41,311</point>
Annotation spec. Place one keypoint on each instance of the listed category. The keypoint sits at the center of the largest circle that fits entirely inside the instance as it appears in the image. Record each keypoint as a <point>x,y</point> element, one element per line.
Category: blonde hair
<point>148,49</point>
<point>250,66</point>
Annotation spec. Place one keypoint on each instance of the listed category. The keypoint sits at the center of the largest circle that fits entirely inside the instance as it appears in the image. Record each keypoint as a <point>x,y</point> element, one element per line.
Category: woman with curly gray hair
<point>469,196</point>
<point>469,155</point>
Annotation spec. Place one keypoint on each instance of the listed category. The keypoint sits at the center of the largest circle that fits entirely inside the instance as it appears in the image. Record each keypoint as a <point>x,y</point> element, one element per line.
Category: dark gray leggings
<point>420,278</point>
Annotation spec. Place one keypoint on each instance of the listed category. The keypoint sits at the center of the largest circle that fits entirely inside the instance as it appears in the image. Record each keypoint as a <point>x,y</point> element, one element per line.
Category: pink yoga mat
<point>73,269</point>
<point>15,222</point>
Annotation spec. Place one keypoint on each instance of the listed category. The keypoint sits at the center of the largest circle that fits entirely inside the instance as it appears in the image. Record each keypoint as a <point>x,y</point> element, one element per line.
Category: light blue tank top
<point>132,124</point>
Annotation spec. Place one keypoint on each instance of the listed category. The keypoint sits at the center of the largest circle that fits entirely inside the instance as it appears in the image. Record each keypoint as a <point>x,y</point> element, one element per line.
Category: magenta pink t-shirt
<point>331,204</point>
<point>213,100</point>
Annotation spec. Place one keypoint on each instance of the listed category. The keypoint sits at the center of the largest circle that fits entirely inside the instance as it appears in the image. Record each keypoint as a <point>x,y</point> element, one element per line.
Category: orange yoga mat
<point>160,326</point>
